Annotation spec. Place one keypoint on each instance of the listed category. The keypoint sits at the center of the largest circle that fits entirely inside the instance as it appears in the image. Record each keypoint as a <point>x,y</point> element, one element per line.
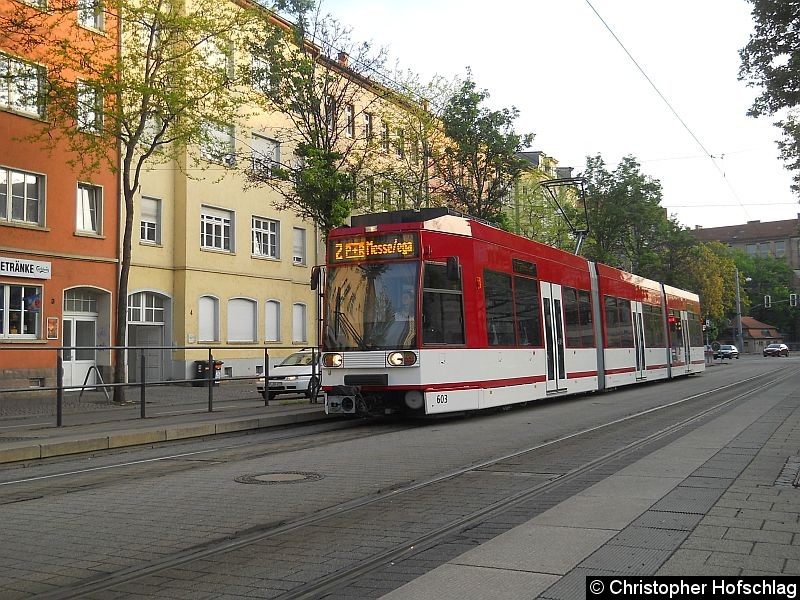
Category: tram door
<point>638,340</point>
<point>687,342</point>
<point>554,336</point>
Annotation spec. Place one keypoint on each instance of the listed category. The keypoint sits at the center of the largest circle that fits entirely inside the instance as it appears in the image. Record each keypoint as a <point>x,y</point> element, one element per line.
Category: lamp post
<point>738,315</point>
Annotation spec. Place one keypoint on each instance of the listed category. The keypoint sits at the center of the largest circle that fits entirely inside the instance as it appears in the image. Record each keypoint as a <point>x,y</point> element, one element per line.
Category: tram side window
<point>499,308</point>
<point>695,330</point>
<point>578,318</point>
<point>654,334</point>
<point>619,327</point>
<point>526,303</point>
<point>442,307</point>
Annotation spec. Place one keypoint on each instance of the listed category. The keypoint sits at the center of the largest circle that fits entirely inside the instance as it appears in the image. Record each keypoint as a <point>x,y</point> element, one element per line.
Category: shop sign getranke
<point>18,267</point>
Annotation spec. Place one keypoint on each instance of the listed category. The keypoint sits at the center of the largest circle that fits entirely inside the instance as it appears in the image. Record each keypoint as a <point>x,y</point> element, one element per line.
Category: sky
<point>581,94</point>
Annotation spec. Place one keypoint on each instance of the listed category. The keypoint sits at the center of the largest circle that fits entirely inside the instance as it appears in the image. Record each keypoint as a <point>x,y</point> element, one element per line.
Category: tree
<point>318,78</point>
<point>174,86</point>
<point>421,104</point>
<point>479,165</point>
<point>771,60</point>
<point>767,276</point>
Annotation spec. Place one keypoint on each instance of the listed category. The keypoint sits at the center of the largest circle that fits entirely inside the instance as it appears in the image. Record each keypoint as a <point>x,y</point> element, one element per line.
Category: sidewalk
<point>720,501</point>
<point>26,442</point>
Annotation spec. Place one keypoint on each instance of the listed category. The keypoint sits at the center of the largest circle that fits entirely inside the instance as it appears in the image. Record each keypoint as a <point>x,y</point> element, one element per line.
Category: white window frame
<point>150,220</point>
<point>89,209</point>
<point>261,72</point>
<point>299,323</point>
<point>29,204</point>
<point>266,237</point>
<point>212,303</point>
<point>265,154</point>
<point>30,302</point>
<point>350,120</point>
<point>298,246</point>
<point>368,126</point>
<point>239,330</point>
<point>272,321</point>
<point>89,106</point>
<point>21,86</point>
<point>216,229</point>
<point>90,14</point>
<point>385,137</point>
<point>146,307</point>
<point>219,145</point>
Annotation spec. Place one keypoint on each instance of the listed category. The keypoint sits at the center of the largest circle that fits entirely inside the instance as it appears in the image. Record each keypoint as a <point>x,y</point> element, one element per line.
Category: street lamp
<point>739,336</point>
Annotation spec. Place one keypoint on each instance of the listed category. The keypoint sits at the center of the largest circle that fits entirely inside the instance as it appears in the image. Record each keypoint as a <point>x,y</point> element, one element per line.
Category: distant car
<point>727,351</point>
<point>291,376</point>
<point>776,350</point>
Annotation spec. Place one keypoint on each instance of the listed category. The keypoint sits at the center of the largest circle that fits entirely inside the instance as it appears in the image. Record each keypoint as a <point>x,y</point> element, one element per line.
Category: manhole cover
<point>279,477</point>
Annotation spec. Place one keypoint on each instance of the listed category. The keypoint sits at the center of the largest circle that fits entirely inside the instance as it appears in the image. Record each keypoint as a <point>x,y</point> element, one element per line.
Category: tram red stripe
<point>653,367</point>
<point>622,370</point>
<point>581,374</point>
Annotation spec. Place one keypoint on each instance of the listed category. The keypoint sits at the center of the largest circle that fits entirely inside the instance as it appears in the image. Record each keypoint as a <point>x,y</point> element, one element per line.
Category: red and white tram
<point>432,312</point>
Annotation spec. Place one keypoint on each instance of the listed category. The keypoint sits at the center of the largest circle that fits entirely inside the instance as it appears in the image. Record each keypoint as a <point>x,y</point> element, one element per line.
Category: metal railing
<point>210,370</point>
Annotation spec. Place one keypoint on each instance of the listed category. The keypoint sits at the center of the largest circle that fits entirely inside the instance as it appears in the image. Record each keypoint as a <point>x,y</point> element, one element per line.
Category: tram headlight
<point>332,359</point>
<point>401,359</point>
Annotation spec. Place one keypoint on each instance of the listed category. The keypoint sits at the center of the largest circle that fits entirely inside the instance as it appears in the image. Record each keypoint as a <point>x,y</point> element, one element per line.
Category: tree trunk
<point>122,298</point>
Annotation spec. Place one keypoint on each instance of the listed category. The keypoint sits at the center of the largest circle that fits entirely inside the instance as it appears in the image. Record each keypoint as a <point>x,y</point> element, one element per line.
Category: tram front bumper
<point>342,400</point>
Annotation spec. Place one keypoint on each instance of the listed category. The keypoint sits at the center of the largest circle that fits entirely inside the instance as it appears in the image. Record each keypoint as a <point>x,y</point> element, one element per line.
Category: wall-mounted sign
<point>18,267</point>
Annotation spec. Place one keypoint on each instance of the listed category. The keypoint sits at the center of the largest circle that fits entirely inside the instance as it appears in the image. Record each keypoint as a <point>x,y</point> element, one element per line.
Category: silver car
<point>292,376</point>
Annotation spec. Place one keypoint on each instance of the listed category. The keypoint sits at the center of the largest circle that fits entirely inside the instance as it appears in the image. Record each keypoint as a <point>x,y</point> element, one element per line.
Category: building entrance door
<point>80,339</point>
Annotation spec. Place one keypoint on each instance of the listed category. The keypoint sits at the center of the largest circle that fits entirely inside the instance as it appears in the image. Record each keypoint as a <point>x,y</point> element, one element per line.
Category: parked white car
<point>292,376</point>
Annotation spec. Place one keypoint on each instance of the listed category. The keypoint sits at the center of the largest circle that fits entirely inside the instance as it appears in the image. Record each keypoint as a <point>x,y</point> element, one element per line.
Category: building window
<point>89,107</point>
<point>21,197</point>
<point>20,311</point>
<point>216,58</point>
<point>400,144</point>
<point>90,13</point>
<point>368,131</point>
<point>241,320</point>
<point>350,123</point>
<point>80,300</point>
<point>299,333</point>
<point>21,86</point>
<point>150,223</point>
<point>218,144</point>
<point>215,229</point>
<point>266,241</point>
<point>261,74</point>
<point>386,197</point>
<point>330,112</point>
<point>298,246</point>
<point>266,155</point>
<point>385,137</point>
<point>89,209</point>
<point>272,320</point>
<point>208,319</point>
<point>751,249</point>
<point>146,307</point>
<point>780,248</point>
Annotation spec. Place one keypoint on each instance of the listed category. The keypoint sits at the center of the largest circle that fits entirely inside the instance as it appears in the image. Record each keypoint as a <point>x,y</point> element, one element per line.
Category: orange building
<point>58,225</point>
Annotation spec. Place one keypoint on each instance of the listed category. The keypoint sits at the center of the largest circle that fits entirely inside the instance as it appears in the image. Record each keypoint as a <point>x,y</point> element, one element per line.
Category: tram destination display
<point>377,247</point>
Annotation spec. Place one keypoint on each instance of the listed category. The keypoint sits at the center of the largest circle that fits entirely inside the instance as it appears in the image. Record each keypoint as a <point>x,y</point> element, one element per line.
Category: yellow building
<point>215,263</point>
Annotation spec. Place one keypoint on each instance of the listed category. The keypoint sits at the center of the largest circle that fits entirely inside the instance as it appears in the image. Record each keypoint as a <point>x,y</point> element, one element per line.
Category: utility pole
<point>739,339</point>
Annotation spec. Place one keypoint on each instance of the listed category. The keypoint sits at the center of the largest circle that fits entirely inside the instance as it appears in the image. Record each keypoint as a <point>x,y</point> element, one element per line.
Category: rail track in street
<point>340,544</point>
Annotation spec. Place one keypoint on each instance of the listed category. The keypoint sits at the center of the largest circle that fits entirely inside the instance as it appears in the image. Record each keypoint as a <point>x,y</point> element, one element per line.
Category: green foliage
<point>315,86</point>
<point>771,61</point>
<point>628,228</point>
<point>479,165</point>
<point>764,275</point>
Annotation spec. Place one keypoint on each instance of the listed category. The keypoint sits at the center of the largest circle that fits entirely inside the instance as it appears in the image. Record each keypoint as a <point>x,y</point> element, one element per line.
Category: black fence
<point>206,372</point>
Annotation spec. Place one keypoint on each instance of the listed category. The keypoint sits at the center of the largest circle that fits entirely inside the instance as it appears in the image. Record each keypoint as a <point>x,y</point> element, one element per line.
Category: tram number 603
<point>441,398</point>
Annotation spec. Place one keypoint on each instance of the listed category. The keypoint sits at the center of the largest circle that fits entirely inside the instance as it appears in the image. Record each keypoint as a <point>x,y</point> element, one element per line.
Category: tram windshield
<point>371,306</point>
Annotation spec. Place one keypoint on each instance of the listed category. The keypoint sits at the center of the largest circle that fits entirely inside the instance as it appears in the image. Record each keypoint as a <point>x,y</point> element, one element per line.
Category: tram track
<point>256,541</point>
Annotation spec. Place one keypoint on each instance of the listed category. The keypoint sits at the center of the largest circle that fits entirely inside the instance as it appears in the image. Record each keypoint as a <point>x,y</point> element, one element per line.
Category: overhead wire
<point>669,105</point>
